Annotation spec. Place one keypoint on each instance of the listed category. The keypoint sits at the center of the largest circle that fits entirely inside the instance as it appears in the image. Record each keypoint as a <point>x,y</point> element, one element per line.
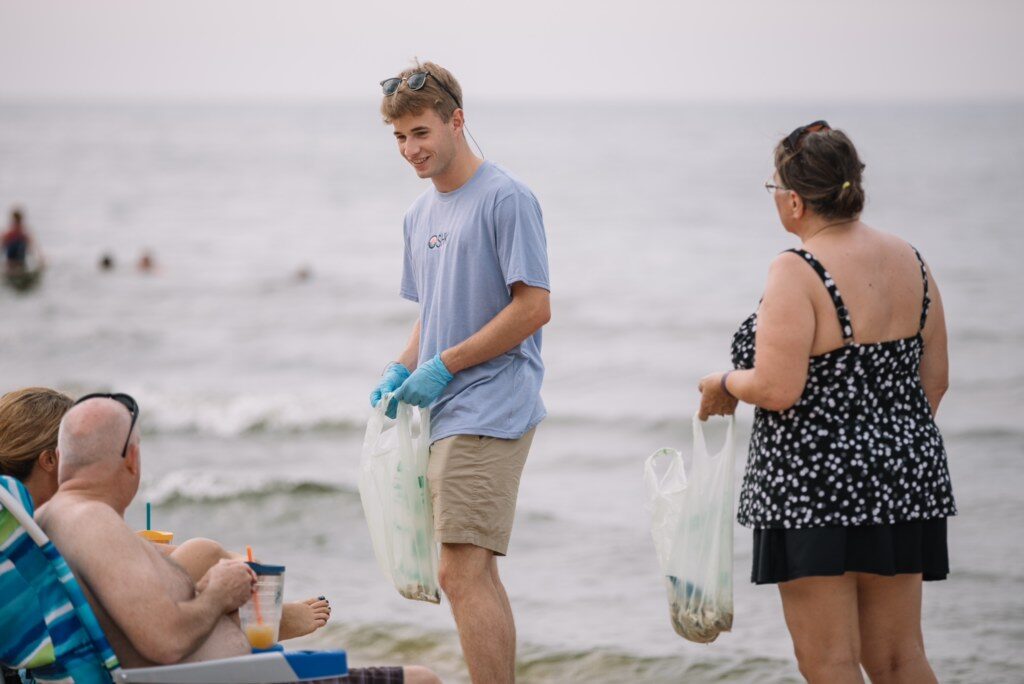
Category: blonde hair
<point>431,96</point>
<point>29,422</point>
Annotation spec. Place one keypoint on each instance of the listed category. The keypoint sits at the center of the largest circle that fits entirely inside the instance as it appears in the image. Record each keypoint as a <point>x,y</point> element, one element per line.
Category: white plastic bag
<point>396,501</point>
<point>691,522</point>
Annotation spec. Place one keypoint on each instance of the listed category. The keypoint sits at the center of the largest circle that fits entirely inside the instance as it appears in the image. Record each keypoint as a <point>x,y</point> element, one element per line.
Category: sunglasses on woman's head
<point>794,138</point>
<point>125,400</point>
<point>415,81</point>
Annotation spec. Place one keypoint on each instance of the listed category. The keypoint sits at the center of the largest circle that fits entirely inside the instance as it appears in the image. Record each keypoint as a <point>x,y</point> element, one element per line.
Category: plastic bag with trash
<point>691,522</point>
<point>396,501</point>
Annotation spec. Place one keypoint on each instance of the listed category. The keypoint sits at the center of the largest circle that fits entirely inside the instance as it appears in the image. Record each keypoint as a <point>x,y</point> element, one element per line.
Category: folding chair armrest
<point>260,668</point>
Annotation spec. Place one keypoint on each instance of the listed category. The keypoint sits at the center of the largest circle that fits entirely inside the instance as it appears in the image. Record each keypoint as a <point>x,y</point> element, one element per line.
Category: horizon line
<point>284,100</point>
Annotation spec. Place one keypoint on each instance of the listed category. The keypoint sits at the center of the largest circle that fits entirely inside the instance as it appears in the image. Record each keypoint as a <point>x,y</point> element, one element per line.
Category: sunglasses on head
<point>124,400</point>
<point>794,138</point>
<point>415,81</point>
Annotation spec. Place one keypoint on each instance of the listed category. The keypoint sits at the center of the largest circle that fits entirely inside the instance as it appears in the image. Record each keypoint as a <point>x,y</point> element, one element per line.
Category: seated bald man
<point>150,609</point>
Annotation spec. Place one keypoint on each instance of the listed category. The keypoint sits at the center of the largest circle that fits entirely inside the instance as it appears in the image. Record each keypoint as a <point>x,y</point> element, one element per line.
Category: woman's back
<point>879,278</point>
<point>859,447</point>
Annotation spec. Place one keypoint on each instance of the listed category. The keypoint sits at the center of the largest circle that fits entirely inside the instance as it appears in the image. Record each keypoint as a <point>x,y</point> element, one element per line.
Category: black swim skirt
<point>917,547</point>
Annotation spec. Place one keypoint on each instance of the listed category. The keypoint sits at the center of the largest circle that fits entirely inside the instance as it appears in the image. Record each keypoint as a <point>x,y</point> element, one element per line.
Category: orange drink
<point>260,635</point>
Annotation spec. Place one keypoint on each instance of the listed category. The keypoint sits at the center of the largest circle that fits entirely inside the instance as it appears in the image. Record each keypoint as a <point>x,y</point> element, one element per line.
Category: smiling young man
<point>476,263</point>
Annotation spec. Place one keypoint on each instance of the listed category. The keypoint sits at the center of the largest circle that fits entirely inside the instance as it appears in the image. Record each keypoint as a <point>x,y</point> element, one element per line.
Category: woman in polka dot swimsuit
<point>847,486</point>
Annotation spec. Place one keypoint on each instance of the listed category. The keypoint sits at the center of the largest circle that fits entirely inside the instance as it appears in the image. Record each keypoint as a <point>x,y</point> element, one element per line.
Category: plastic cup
<point>156,536</point>
<point>260,616</point>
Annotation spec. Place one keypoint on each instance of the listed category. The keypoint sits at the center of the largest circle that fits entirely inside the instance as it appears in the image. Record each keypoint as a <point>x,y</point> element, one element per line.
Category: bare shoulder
<point>791,284</point>
<point>69,517</point>
<point>890,243</point>
<point>790,269</point>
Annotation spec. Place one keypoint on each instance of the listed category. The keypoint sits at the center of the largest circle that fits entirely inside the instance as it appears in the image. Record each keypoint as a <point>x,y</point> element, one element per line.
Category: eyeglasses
<point>794,138</point>
<point>125,400</point>
<point>772,187</point>
<point>415,81</point>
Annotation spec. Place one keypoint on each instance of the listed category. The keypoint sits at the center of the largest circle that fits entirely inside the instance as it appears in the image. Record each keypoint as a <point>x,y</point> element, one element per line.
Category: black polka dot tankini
<point>853,477</point>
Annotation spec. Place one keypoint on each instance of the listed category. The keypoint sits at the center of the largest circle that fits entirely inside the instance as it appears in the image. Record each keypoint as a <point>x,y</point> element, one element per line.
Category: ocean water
<point>253,384</point>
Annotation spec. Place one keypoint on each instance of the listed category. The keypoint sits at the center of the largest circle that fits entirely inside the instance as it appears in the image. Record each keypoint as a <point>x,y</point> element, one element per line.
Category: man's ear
<point>48,461</point>
<point>131,459</point>
<point>458,120</point>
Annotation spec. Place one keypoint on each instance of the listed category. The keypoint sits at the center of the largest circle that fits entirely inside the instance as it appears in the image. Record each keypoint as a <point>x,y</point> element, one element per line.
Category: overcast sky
<point>634,49</point>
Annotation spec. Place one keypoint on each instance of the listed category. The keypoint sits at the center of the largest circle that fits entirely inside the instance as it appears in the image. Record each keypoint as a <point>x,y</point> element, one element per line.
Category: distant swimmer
<point>147,264</point>
<point>17,246</point>
<point>16,242</point>
<point>106,262</point>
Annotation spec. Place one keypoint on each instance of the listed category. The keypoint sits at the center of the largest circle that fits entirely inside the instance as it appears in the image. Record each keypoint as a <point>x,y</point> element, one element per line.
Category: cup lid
<point>261,569</point>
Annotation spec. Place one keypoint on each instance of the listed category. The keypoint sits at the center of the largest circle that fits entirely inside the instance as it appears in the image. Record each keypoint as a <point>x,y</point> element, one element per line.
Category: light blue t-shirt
<point>463,251</point>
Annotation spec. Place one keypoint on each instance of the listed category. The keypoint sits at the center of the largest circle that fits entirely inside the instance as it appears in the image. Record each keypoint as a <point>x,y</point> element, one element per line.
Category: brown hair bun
<point>825,170</point>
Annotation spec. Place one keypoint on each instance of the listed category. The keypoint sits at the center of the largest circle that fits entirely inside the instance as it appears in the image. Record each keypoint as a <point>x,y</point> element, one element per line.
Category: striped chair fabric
<point>46,626</point>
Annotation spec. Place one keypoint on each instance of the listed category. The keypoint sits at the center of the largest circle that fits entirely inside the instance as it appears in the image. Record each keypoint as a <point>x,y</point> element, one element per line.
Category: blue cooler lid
<point>261,569</point>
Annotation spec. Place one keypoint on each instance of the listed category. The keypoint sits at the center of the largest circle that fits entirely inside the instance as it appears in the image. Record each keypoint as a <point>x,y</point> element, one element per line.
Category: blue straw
<point>149,516</point>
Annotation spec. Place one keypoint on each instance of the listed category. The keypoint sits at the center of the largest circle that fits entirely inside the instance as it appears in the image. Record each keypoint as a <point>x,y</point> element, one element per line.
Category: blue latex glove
<point>392,378</point>
<point>426,383</point>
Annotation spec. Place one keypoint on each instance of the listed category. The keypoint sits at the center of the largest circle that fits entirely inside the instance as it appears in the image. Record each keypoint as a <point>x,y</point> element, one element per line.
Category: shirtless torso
<point>130,586</point>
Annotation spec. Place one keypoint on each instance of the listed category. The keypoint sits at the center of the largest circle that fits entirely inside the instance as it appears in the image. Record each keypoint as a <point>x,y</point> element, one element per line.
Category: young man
<point>476,262</point>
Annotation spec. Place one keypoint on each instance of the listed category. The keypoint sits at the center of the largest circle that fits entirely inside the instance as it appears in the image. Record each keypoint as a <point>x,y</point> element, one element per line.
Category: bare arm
<point>785,335</point>
<point>527,313</point>
<point>935,360</point>
<point>116,567</point>
<point>410,354</point>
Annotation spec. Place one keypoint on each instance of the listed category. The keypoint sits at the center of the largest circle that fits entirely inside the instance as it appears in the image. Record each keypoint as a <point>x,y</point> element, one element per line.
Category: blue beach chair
<point>49,632</point>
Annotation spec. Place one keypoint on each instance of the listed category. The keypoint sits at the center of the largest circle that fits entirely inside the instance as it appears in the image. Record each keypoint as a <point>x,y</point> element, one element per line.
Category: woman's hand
<point>713,400</point>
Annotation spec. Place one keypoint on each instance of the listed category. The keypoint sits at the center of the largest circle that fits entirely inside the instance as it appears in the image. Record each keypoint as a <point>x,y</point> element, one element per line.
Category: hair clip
<point>846,185</point>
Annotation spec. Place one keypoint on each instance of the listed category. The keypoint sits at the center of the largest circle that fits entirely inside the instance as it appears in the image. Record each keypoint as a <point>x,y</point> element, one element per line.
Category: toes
<point>318,602</point>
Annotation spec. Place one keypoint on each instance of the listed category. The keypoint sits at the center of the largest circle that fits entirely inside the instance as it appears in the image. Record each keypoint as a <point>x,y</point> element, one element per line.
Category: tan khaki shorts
<point>474,482</point>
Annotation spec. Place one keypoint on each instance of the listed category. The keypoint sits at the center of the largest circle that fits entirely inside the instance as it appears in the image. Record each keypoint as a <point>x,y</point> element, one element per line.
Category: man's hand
<point>426,384</point>
<point>231,581</point>
<point>394,375</point>
<point>713,400</point>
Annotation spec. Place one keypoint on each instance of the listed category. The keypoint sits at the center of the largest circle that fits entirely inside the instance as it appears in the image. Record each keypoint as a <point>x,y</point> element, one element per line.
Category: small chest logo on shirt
<point>437,240</point>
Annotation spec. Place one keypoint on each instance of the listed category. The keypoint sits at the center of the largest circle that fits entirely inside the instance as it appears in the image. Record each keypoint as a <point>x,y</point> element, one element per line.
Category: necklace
<point>827,226</point>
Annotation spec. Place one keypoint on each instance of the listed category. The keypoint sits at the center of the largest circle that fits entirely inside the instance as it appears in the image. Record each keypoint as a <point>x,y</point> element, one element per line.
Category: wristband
<point>725,388</point>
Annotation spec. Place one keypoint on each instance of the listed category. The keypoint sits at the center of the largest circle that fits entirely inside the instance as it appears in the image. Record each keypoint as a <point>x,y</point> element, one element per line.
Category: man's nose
<point>411,150</point>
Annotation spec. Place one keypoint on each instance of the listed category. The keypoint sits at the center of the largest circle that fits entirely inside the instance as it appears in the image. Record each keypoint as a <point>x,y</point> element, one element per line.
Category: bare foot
<point>304,617</point>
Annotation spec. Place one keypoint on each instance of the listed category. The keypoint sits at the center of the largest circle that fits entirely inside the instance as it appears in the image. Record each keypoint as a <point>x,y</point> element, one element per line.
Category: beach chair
<point>49,632</point>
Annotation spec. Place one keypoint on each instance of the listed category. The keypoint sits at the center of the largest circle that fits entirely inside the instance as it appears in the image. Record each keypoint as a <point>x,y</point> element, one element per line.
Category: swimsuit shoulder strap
<point>926,304</point>
<point>837,300</point>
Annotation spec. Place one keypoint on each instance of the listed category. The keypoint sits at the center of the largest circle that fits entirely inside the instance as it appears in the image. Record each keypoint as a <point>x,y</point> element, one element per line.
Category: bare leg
<point>821,613</point>
<point>892,646</point>
<point>482,615</point>
<point>507,606</point>
<point>417,674</point>
<point>197,556</point>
